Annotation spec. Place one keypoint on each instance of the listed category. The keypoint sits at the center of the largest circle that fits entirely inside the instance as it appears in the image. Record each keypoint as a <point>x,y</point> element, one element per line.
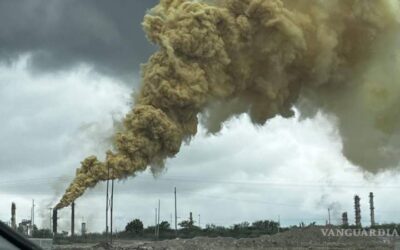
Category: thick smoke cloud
<point>61,34</point>
<point>225,57</point>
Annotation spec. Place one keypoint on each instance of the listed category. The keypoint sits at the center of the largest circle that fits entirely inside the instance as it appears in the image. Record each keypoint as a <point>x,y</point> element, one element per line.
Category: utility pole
<point>112,205</point>
<point>329,216</point>
<point>107,201</point>
<point>199,221</point>
<point>158,220</point>
<point>33,212</point>
<point>176,216</point>
<point>50,210</point>
<point>155,223</point>
<point>32,216</point>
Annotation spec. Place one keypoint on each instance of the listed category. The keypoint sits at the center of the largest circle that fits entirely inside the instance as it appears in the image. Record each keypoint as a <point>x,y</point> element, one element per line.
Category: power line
<point>176,215</point>
<point>308,184</point>
<point>288,184</point>
<point>241,200</point>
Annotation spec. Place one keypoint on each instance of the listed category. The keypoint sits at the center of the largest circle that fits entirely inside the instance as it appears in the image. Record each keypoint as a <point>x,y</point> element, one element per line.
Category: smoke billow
<point>220,58</point>
<point>335,209</point>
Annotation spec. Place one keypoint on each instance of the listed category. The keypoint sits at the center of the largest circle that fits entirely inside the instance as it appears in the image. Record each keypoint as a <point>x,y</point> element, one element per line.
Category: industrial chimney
<point>345,220</point>
<point>55,221</point>
<point>13,220</point>
<point>83,229</point>
<point>357,210</point>
<point>371,207</point>
<point>191,219</point>
<point>72,219</point>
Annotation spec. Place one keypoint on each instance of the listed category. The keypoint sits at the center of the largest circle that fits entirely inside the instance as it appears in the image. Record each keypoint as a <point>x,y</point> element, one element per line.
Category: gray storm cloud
<point>62,34</point>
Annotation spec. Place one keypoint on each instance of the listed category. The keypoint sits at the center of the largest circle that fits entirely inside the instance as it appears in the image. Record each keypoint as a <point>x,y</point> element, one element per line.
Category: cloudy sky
<point>67,71</point>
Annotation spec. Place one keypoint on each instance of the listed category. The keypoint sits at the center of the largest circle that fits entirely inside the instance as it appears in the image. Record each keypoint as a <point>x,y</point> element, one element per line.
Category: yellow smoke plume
<point>226,57</point>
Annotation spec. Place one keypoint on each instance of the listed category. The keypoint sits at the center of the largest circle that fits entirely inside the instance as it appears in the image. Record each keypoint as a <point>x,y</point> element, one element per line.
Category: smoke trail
<point>225,57</point>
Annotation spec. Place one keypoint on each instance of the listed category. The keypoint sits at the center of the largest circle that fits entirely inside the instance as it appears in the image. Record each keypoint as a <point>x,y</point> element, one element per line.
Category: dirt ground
<point>299,239</point>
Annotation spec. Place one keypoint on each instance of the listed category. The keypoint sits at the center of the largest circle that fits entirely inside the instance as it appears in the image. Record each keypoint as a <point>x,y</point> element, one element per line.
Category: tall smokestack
<point>345,219</point>
<point>55,221</point>
<point>371,207</point>
<point>357,210</point>
<point>191,219</point>
<point>72,219</point>
<point>13,220</point>
<point>83,229</point>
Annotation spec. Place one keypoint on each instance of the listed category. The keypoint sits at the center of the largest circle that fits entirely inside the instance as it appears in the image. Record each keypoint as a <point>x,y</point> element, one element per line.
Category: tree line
<point>188,229</point>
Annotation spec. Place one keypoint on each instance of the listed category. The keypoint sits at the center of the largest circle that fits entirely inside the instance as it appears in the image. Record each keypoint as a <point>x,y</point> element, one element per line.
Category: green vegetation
<point>42,233</point>
<point>135,227</point>
<point>189,230</point>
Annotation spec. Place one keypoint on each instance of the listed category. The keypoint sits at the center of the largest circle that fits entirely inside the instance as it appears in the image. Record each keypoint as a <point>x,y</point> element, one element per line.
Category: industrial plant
<point>249,97</point>
<point>27,227</point>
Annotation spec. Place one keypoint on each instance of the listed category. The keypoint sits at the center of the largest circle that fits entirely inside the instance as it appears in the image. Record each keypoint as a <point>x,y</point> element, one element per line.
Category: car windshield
<point>5,244</point>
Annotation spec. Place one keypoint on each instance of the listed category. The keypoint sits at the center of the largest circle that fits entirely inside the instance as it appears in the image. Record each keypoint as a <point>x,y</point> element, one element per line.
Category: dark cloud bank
<point>62,34</point>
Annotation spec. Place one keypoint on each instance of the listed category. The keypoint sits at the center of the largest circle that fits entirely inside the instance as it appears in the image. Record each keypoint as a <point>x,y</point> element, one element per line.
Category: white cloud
<point>43,117</point>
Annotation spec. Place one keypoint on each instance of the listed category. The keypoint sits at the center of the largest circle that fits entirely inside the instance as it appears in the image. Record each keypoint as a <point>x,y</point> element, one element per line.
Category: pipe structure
<point>13,220</point>
<point>83,229</point>
<point>345,220</point>
<point>72,219</point>
<point>357,210</point>
<point>55,221</point>
<point>372,208</point>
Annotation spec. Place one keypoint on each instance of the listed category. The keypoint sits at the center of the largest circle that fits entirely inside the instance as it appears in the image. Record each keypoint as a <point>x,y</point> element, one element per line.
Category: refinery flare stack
<point>357,210</point>
<point>13,218</point>
<point>372,208</point>
<point>345,219</point>
<point>55,221</point>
